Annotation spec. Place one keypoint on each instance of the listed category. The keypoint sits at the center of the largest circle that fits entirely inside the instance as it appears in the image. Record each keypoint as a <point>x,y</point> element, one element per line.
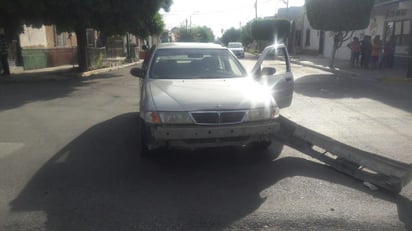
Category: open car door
<point>273,70</point>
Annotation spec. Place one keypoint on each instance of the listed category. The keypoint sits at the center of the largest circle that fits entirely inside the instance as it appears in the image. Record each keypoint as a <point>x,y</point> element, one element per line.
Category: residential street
<point>69,160</point>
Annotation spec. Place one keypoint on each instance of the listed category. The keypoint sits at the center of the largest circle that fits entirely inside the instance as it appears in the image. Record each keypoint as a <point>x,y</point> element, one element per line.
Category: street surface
<point>69,160</point>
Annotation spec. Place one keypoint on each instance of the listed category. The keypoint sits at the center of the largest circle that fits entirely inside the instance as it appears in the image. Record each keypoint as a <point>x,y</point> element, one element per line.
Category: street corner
<point>56,74</point>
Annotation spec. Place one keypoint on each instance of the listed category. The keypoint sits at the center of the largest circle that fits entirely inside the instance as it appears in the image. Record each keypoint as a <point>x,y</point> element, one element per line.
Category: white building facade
<point>389,19</point>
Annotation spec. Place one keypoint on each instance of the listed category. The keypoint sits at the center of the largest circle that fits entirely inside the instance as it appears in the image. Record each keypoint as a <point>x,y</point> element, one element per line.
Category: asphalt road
<point>69,160</point>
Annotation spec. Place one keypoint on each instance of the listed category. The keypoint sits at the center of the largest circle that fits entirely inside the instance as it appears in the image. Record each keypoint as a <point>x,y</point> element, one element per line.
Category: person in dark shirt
<point>4,53</point>
<point>366,50</point>
<point>355,47</point>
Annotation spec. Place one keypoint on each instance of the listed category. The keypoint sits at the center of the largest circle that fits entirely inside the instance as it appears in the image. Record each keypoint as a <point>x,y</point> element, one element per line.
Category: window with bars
<point>399,30</point>
<point>60,39</point>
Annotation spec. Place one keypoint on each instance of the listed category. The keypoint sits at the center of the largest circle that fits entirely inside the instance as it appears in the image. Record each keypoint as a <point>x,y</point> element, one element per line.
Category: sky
<point>220,14</point>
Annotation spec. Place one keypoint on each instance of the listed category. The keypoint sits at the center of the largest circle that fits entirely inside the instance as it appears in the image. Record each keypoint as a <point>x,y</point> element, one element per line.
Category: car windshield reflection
<point>195,64</point>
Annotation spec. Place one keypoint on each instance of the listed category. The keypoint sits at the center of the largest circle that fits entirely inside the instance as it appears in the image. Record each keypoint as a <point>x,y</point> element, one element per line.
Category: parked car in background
<point>237,49</point>
<point>197,95</point>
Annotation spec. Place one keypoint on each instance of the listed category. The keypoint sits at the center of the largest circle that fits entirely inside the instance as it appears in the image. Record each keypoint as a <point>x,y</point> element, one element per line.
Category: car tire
<point>266,150</point>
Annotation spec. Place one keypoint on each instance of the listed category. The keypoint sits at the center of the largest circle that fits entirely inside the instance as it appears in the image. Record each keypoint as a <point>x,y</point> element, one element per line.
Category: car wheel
<point>266,150</point>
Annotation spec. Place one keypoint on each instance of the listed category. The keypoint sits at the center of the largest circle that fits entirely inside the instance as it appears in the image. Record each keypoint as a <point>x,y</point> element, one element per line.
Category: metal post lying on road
<point>386,173</point>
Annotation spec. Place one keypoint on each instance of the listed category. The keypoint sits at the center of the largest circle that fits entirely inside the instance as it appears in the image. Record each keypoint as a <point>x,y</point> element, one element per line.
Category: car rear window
<point>195,64</point>
<point>235,45</point>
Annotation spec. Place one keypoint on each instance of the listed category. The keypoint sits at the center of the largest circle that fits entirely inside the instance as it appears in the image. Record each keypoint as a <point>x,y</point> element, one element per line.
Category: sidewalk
<point>342,67</point>
<point>18,75</point>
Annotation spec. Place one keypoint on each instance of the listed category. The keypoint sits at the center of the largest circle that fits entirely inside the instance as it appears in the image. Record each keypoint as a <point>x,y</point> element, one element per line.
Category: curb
<point>108,69</point>
<point>57,75</point>
<point>355,75</point>
<point>323,68</point>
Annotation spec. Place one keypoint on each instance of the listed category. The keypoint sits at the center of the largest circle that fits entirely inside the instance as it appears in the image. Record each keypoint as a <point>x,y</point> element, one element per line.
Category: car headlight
<point>168,118</point>
<point>266,113</point>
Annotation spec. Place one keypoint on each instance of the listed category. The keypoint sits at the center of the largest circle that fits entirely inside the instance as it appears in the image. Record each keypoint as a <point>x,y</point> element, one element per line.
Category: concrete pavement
<point>343,67</point>
<point>55,73</point>
<point>69,158</point>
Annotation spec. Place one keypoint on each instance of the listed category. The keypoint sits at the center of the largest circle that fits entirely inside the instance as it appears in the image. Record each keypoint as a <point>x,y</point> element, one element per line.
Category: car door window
<point>273,70</point>
<point>276,58</point>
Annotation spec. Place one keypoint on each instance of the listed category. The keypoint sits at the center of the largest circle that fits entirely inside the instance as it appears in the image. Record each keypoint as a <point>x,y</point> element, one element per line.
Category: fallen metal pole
<point>386,173</point>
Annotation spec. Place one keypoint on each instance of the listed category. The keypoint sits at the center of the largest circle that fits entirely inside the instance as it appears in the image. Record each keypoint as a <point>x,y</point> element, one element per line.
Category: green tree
<point>203,34</point>
<point>273,30</point>
<point>231,35</point>
<point>340,17</point>
<point>149,26</point>
<point>246,36</point>
<point>109,16</point>
<point>184,35</point>
<point>194,34</point>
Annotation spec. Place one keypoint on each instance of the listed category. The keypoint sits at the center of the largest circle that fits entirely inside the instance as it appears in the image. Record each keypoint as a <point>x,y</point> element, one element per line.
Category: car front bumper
<point>239,53</point>
<point>193,137</point>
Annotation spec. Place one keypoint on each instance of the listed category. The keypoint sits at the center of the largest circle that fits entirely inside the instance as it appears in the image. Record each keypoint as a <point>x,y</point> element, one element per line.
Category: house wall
<point>376,27</point>
<point>405,5</point>
<point>314,37</point>
<point>387,11</point>
<point>50,33</point>
<point>39,48</point>
<point>33,37</point>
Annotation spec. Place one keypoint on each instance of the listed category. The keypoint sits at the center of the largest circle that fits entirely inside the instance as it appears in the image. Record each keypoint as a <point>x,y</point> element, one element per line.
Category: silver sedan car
<point>198,95</point>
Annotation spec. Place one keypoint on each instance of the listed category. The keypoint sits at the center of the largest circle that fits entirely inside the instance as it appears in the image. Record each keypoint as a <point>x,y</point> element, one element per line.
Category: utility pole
<point>190,21</point>
<point>255,9</point>
<point>286,2</point>
<point>127,47</point>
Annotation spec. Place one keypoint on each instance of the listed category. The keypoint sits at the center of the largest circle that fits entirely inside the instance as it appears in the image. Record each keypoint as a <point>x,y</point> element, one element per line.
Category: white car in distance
<point>237,49</point>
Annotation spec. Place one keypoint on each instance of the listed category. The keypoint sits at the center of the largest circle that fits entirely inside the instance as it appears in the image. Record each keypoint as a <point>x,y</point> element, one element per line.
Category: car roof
<point>190,46</point>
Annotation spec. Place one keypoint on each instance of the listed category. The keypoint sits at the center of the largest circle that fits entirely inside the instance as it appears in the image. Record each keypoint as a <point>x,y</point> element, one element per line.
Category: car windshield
<point>195,64</point>
<point>235,45</point>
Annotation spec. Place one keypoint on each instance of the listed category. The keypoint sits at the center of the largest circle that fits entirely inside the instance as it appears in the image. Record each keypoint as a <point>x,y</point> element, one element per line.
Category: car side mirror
<point>138,72</point>
<point>268,71</point>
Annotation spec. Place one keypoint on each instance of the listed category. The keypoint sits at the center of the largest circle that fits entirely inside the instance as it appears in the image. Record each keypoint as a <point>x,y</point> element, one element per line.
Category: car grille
<point>220,117</point>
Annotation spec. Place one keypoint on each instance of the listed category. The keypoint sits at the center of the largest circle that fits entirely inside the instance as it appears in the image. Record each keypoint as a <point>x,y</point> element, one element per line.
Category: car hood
<point>207,94</point>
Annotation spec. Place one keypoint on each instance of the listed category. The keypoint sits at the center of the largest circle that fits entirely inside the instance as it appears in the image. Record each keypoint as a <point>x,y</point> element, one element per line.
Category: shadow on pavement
<point>13,95</point>
<point>330,86</point>
<point>98,182</point>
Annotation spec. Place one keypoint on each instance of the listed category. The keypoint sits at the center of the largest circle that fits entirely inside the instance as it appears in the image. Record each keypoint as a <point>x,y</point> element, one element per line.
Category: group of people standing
<point>372,54</point>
